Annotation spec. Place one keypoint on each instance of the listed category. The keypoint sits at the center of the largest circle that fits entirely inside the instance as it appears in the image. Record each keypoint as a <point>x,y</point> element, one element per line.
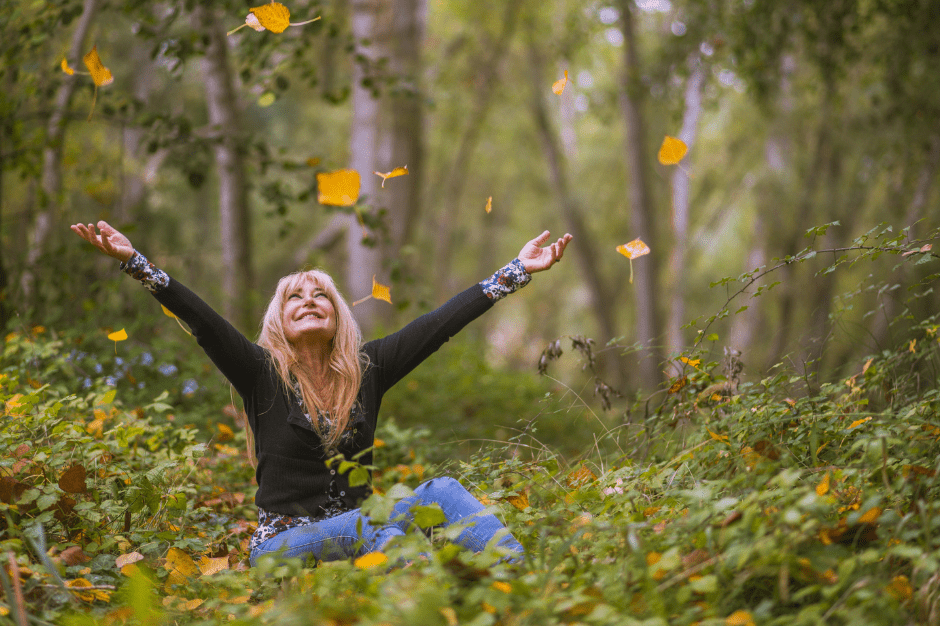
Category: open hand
<point>535,258</point>
<point>110,241</point>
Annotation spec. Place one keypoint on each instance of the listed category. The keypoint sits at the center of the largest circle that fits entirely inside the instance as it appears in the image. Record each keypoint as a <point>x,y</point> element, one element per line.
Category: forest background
<point>795,235</point>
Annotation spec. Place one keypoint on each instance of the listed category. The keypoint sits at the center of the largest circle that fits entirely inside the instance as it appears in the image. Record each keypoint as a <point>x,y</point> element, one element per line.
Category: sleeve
<point>240,360</point>
<point>397,354</point>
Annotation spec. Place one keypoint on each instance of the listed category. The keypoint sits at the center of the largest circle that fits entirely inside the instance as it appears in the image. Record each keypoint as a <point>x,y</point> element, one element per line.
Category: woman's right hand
<point>110,241</point>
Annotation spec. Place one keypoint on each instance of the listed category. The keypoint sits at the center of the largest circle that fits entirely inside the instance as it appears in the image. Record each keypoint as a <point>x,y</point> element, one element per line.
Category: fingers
<point>541,238</point>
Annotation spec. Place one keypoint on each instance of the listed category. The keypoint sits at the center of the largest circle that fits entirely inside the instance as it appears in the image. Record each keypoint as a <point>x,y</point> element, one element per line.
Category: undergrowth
<point>791,499</point>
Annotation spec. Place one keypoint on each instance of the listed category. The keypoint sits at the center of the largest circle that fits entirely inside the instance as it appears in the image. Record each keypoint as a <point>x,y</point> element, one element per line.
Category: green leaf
<point>428,516</point>
<point>359,476</point>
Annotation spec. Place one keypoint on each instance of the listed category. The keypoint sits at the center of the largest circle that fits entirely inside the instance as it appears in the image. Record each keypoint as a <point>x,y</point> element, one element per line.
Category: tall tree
<point>228,136</point>
<point>646,292</point>
<point>50,197</point>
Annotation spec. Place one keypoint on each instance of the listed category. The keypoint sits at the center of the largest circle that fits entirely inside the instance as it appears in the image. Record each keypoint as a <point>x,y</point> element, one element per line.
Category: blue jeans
<point>337,537</point>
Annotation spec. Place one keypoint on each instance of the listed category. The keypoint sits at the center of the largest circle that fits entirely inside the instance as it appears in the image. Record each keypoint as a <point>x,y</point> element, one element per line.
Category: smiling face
<point>308,313</point>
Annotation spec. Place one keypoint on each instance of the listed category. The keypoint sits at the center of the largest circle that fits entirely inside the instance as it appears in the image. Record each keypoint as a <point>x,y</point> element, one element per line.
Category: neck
<point>315,358</point>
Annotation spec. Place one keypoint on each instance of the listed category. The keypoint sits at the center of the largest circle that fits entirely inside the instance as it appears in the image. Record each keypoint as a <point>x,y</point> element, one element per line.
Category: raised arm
<point>397,354</point>
<point>239,360</point>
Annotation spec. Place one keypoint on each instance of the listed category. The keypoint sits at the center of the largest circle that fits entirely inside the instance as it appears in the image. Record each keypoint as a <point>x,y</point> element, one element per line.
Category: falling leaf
<point>370,560</point>
<point>99,73</point>
<point>634,249</point>
<point>859,422</point>
<point>380,291</point>
<point>823,487</point>
<point>672,151</point>
<point>339,188</point>
<point>168,312</point>
<point>489,204</point>
<point>72,480</point>
<point>65,68</point>
<point>274,17</point>
<point>119,335</point>
<point>398,171</point>
<point>559,85</point>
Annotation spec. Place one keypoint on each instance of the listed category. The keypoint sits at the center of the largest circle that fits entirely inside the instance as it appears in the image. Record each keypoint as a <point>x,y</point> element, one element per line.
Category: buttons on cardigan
<point>342,493</point>
<point>332,472</point>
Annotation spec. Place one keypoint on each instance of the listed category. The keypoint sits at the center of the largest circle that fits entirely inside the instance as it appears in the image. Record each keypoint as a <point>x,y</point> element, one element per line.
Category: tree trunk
<point>227,133</point>
<point>50,197</point>
<point>451,194</point>
<point>603,300</point>
<point>641,207</point>
<point>675,342</point>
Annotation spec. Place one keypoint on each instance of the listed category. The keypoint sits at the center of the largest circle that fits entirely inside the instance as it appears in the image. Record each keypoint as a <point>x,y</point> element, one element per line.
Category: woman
<point>312,392</point>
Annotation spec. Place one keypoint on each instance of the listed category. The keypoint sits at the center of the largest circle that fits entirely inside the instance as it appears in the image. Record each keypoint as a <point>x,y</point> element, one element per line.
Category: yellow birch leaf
<point>380,291</point>
<point>119,335</point>
<point>370,560</point>
<point>859,422</point>
<point>672,151</point>
<point>823,487</point>
<point>274,16</point>
<point>693,362</point>
<point>489,204</point>
<point>339,188</point>
<point>210,565</point>
<point>65,68</point>
<point>398,171</point>
<point>740,618</point>
<point>99,73</point>
<point>559,85</point>
<point>634,249</point>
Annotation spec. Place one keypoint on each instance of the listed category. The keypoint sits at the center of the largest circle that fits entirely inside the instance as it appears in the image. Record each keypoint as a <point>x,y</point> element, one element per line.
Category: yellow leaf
<point>717,437</point>
<point>99,73</point>
<point>692,362</point>
<point>870,516</point>
<point>181,567</point>
<point>634,249</point>
<point>678,385</point>
<point>502,586</point>
<point>489,204</point>
<point>559,85</point>
<point>66,68</point>
<point>380,291</point>
<point>859,422</point>
<point>88,595</point>
<point>398,171</point>
<point>867,365</point>
<point>225,432</point>
<point>900,588</point>
<point>168,312</point>
<point>912,345</point>
<point>209,565</point>
<point>370,560</point>
<point>672,151</point>
<point>274,16</point>
<point>740,618</point>
<point>378,443</point>
<point>823,487</point>
<point>520,501</point>
<point>653,558</point>
<point>119,335</point>
<point>339,188</point>
<point>450,615</point>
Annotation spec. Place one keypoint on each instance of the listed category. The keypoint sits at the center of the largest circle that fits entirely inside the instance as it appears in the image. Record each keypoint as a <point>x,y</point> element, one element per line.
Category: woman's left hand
<point>535,258</point>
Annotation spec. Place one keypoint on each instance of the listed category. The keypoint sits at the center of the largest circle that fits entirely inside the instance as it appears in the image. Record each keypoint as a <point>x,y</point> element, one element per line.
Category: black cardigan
<point>293,478</point>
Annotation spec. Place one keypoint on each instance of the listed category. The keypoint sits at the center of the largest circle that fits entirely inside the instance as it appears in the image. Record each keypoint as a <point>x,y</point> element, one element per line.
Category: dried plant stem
<point>18,602</point>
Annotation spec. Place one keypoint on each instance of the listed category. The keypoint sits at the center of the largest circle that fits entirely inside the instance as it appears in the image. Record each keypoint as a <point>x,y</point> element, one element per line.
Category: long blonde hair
<point>346,359</point>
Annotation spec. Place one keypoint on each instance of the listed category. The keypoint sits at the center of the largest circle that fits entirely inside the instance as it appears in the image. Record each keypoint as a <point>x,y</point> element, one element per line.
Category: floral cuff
<point>507,279</point>
<point>151,277</point>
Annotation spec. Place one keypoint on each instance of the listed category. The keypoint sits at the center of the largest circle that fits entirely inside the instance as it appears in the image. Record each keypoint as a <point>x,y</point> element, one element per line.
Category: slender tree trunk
<point>4,278</point>
<point>228,138</point>
<point>50,197</point>
<point>632,100</point>
<point>602,299</point>
<point>675,342</point>
<point>456,175</point>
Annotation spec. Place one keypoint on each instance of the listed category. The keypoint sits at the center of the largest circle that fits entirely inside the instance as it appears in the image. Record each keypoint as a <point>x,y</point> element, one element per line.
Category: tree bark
<point>50,197</point>
<point>603,300</point>
<point>228,149</point>
<point>632,100</point>
<point>675,342</point>
<point>456,175</point>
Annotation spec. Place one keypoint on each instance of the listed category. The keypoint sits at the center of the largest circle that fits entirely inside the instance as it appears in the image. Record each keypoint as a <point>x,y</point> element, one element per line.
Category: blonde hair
<point>346,358</point>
